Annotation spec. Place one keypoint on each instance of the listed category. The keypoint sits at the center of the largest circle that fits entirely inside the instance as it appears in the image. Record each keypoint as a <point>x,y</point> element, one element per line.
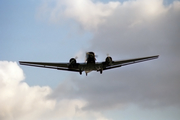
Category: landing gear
<point>80,72</point>
<point>101,71</point>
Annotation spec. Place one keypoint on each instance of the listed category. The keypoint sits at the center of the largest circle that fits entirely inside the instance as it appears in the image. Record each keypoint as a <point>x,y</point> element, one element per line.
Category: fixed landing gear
<point>80,72</point>
<point>101,71</point>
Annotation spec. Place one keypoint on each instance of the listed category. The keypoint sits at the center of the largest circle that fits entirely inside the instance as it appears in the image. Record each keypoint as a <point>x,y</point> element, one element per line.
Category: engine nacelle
<point>72,62</point>
<point>109,60</point>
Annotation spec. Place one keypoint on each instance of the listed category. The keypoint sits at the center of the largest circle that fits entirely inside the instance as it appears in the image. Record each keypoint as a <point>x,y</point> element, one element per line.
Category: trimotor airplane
<point>89,65</point>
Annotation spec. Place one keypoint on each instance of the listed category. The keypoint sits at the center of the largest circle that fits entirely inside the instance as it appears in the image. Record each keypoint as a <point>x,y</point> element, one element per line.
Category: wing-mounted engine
<point>108,60</point>
<point>72,63</point>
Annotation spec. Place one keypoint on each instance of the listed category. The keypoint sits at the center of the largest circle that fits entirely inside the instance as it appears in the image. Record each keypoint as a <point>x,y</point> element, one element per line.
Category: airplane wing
<point>120,63</point>
<point>58,66</point>
<point>79,67</point>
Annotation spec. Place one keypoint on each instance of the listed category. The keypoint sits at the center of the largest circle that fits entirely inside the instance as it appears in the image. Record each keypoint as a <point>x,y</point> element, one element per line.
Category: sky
<point>57,30</point>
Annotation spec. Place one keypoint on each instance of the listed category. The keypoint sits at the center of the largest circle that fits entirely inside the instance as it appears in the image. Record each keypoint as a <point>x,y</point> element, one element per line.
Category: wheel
<point>100,71</point>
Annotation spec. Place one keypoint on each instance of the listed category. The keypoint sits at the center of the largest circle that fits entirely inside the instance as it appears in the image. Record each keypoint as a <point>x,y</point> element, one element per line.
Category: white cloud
<point>19,101</point>
<point>88,13</point>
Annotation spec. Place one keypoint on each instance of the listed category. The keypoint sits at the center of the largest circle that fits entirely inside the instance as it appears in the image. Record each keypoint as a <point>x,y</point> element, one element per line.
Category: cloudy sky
<point>56,30</point>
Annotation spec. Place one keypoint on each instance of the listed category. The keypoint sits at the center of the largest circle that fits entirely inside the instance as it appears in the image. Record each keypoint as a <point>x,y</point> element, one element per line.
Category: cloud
<point>19,101</point>
<point>88,13</point>
<point>134,29</point>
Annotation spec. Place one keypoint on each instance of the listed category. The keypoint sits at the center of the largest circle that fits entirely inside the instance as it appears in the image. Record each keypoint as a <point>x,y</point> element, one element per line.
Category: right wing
<point>58,66</point>
<point>120,63</point>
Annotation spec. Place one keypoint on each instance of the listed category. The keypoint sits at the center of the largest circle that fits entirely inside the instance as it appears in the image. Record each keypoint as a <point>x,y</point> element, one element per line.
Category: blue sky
<point>55,31</point>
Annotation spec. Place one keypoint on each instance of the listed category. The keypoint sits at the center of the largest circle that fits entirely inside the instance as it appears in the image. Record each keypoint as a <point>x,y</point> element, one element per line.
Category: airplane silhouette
<point>89,65</point>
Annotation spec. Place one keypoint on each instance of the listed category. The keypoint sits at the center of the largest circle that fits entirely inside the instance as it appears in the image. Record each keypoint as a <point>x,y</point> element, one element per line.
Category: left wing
<point>59,66</point>
<point>120,63</point>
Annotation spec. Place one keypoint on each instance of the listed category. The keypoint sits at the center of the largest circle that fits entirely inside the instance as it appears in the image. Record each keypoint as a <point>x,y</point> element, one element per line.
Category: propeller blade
<point>76,57</point>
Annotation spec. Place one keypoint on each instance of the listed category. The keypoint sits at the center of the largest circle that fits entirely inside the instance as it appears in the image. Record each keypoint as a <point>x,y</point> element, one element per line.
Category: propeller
<point>76,57</point>
<point>90,53</point>
<point>87,53</point>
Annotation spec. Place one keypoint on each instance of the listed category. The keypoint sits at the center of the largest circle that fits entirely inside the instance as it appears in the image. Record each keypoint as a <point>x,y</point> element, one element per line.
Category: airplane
<point>89,65</point>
